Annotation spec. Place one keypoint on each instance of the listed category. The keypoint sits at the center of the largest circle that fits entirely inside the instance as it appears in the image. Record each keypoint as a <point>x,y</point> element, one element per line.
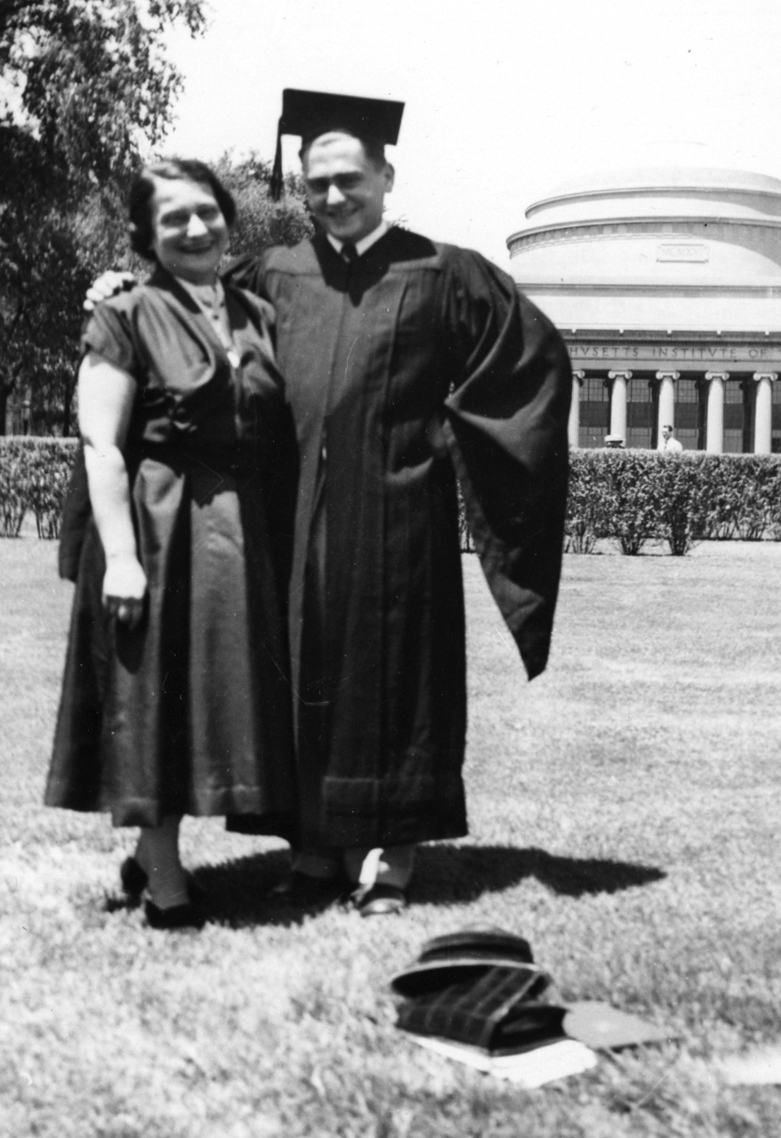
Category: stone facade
<point>666,285</point>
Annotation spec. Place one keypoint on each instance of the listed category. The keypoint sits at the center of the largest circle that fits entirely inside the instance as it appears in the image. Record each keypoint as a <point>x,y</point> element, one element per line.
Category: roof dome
<point>670,247</point>
<point>669,179</point>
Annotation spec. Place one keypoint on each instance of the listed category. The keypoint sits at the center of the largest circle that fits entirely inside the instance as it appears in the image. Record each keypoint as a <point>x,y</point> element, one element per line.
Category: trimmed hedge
<point>637,496</point>
<point>34,475</point>
<point>633,496</point>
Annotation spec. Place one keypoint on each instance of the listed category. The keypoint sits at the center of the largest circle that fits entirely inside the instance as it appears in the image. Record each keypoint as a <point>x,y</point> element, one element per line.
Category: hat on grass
<point>450,959</point>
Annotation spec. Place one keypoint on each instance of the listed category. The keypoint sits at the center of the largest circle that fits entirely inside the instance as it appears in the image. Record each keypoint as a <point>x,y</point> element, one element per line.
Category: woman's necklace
<point>211,298</point>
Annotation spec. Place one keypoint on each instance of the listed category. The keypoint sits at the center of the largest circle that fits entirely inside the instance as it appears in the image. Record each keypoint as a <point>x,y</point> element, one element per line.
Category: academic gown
<point>189,712</point>
<point>418,364</point>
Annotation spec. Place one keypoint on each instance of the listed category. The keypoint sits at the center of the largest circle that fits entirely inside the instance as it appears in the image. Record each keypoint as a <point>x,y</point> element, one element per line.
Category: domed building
<point>666,285</point>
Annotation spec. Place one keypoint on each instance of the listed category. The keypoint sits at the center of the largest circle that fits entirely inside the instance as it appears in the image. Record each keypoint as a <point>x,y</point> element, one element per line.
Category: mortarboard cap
<point>312,113</point>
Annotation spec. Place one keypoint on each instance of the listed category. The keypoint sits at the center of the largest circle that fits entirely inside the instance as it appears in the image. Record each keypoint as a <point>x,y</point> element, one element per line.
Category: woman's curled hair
<point>142,193</point>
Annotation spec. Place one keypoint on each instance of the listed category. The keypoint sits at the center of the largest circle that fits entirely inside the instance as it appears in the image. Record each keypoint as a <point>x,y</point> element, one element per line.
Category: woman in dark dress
<point>176,695</point>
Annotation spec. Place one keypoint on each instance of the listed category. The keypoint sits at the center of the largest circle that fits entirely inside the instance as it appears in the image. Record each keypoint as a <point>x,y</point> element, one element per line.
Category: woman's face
<point>190,232</point>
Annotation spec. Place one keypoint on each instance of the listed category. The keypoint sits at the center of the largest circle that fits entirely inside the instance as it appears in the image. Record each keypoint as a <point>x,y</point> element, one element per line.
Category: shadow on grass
<point>236,892</point>
<point>445,874</point>
<point>449,874</point>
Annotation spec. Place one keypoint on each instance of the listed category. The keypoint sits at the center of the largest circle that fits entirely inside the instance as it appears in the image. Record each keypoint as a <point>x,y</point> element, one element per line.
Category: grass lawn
<point>624,816</point>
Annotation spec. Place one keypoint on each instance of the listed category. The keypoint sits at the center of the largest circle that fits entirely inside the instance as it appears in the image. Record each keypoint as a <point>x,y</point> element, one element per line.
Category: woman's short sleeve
<point>108,332</point>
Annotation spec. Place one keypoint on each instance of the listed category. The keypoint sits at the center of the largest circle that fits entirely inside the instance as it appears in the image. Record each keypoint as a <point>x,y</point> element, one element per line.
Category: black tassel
<point>276,183</point>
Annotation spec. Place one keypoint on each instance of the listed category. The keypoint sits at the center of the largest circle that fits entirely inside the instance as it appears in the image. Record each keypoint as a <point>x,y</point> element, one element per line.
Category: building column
<point>619,380</point>
<point>714,431</point>
<point>666,407</point>
<point>763,411</point>
<point>573,430</point>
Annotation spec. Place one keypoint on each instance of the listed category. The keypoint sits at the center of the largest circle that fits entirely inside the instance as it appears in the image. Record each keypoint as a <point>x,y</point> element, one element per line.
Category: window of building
<point>738,417</point>
<point>640,411</point>
<point>689,414</point>
<point>776,420</point>
<point>594,411</point>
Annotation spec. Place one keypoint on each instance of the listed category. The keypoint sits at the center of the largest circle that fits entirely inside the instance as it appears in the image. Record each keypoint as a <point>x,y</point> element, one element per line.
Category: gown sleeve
<point>505,425</point>
<point>247,272</point>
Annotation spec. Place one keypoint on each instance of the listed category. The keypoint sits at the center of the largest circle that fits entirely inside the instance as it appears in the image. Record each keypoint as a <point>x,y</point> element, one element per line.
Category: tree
<point>86,90</point>
<point>91,75</point>
<point>260,221</point>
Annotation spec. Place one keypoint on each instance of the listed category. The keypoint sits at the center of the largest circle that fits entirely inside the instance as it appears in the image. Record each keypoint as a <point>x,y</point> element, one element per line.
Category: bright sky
<point>505,98</point>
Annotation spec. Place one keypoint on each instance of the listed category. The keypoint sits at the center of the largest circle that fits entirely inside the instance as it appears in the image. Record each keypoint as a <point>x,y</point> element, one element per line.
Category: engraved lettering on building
<point>696,353</point>
<point>682,253</point>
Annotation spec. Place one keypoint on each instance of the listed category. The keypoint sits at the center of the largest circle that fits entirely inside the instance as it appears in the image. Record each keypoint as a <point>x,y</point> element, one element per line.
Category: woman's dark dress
<point>189,713</point>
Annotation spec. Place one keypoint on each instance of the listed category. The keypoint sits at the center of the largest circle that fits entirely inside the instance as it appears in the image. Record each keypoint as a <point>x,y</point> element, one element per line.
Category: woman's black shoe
<point>134,879</point>
<point>173,917</point>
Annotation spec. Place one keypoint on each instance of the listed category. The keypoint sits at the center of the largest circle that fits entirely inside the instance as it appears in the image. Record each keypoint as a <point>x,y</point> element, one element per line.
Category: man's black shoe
<point>379,900</point>
<point>303,891</point>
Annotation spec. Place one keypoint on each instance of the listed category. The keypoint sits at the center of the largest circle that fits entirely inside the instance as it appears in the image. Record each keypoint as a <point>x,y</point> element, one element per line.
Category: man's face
<point>666,432</point>
<point>346,191</point>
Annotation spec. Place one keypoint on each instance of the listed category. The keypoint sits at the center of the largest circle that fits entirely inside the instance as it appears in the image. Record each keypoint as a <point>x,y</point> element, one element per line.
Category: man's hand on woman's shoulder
<point>107,284</point>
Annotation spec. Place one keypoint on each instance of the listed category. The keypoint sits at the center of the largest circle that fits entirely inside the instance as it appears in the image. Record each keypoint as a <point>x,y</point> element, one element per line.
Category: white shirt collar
<point>365,242</point>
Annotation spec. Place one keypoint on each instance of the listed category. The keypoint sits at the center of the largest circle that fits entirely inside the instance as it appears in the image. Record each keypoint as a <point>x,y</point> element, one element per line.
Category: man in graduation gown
<point>412,367</point>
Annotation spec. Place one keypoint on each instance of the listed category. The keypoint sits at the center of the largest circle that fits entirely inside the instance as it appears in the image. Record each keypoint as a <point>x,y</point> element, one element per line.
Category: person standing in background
<point>668,443</point>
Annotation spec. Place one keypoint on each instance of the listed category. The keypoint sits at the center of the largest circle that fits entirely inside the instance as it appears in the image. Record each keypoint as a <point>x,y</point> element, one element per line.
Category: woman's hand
<point>124,589</point>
